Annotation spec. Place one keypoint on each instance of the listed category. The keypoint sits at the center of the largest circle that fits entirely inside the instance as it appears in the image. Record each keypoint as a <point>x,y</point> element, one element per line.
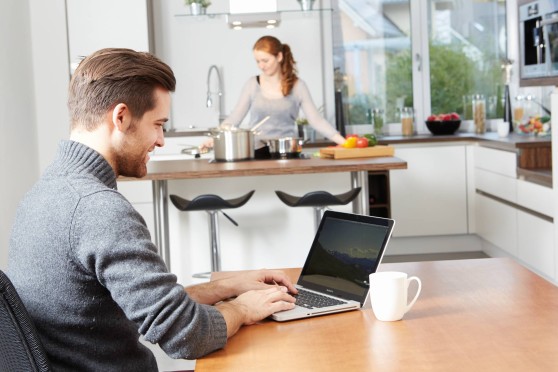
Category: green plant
<point>452,75</point>
<point>203,3</point>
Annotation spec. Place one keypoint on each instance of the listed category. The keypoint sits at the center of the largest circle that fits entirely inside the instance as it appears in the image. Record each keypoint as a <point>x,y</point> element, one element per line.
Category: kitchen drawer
<point>496,222</point>
<point>535,197</point>
<point>535,241</point>
<point>503,187</point>
<point>497,161</point>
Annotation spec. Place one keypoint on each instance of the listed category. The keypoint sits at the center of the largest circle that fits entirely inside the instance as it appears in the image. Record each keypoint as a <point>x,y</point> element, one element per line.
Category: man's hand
<point>253,306</point>
<point>259,279</point>
<point>238,283</point>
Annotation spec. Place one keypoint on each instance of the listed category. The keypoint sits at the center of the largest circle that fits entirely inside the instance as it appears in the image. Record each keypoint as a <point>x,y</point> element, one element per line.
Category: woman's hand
<point>338,139</point>
<point>207,144</point>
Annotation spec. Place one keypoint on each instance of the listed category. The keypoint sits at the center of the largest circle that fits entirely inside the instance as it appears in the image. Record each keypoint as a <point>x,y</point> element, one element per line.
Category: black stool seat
<point>212,204</point>
<point>318,198</point>
<point>209,202</point>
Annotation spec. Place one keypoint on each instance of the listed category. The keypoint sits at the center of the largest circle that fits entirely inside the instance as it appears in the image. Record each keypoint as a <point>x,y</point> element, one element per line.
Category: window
<point>431,55</point>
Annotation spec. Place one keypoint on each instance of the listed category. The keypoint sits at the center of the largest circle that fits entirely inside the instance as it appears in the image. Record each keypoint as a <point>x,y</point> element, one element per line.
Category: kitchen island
<point>160,172</point>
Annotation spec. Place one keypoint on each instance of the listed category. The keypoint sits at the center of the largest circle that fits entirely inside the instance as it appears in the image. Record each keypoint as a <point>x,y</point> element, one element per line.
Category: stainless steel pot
<point>230,144</point>
<point>284,147</point>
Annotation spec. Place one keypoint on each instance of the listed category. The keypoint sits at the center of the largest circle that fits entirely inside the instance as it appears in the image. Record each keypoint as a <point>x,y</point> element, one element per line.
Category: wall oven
<point>538,42</point>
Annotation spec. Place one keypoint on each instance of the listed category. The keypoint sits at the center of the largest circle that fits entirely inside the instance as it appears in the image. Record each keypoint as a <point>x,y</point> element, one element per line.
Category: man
<point>81,257</point>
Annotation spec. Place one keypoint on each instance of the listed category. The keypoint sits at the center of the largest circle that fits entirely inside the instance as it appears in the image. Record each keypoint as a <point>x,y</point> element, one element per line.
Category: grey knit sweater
<point>82,260</point>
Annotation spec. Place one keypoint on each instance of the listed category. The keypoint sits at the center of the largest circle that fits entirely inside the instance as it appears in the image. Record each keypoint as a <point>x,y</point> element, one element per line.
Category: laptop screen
<point>347,248</point>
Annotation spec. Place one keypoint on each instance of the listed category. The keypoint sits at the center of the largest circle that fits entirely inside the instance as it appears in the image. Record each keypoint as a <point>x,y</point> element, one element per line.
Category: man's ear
<point>121,117</point>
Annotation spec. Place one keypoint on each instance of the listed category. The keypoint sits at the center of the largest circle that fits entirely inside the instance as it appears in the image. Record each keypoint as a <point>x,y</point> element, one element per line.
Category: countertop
<point>490,139</point>
<point>513,142</point>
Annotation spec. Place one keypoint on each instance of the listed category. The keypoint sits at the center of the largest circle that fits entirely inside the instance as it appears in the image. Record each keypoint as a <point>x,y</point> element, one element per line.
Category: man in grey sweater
<point>81,256</point>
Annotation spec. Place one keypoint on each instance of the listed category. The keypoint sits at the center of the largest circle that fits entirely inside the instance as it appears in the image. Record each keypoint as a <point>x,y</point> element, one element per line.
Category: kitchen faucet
<point>209,101</point>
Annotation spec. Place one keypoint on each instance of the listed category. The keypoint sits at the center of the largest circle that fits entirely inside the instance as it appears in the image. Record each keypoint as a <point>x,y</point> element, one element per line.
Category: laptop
<point>347,248</point>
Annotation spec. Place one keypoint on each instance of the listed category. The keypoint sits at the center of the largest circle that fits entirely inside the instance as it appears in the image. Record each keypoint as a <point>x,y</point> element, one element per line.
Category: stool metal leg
<point>214,238</point>
<point>318,212</point>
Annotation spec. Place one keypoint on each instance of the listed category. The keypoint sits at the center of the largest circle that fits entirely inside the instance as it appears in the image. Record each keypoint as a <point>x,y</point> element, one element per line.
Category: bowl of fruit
<point>443,123</point>
<point>538,126</point>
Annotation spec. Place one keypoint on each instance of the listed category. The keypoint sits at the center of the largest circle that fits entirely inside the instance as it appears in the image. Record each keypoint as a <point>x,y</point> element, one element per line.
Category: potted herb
<point>198,7</point>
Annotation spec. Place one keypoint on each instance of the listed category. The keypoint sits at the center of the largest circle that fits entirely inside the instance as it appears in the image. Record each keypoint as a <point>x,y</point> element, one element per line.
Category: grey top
<point>282,111</point>
<point>82,260</point>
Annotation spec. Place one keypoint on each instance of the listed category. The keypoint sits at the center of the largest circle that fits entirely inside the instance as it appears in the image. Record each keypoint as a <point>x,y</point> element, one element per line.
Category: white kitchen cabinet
<point>503,187</point>
<point>535,243</point>
<point>496,161</point>
<point>430,196</point>
<point>96,24</point>
<point>496,172</point>
<point>535,197</point>
<point>513,214</point>
<point>496,223</point>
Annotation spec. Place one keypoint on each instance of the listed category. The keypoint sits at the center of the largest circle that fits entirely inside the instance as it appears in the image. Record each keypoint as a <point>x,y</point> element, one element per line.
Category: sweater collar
<point>77,158</point>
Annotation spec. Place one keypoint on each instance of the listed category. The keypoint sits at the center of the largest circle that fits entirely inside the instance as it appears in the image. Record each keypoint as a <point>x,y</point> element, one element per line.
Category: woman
<point>278,93</point>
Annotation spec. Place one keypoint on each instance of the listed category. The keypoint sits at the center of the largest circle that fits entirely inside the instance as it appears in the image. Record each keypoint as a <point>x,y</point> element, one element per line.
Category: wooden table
<point>472,315</point>
<point>159,172</point>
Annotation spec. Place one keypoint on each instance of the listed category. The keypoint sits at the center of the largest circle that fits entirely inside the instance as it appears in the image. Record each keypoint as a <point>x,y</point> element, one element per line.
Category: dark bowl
<point>439,127</point>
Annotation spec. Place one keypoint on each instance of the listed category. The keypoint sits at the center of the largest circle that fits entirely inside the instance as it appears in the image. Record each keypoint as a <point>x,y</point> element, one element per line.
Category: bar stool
<point>212,204</point>
<point>319,200</point>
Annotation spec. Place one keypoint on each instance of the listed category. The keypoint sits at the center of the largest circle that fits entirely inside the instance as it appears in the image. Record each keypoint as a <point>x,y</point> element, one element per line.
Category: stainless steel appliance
<point>538,42</point>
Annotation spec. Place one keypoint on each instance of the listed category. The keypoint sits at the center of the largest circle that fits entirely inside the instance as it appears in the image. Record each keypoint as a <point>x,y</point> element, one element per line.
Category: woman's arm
<point>315,119</point>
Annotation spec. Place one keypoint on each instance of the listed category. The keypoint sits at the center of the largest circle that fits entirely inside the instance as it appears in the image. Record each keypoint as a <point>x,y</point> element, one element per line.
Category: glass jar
<point>407,121</point>
<point>532,109</point>
<point>479,113</point>
<point>378,121</point>
<point>467,107</point>
<point>518,110</point>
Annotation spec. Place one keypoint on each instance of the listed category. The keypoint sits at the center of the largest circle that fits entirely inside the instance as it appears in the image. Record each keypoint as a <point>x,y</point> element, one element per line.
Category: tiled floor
<point>433,257</point>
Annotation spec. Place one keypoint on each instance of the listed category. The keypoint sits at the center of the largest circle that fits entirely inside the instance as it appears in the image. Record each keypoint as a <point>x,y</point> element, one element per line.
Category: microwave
<point>538,42</point>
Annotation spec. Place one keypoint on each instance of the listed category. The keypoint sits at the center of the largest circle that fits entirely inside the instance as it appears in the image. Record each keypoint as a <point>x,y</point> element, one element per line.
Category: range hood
<point>254,20</point>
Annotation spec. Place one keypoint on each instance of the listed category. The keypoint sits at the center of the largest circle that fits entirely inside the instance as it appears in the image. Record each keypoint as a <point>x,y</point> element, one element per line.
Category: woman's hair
<point>112,76</point>
<point>273,46</point>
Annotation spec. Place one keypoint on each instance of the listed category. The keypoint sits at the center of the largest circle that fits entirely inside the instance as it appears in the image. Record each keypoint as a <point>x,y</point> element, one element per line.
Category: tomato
<point>362,142</point>
<point>351,136</point>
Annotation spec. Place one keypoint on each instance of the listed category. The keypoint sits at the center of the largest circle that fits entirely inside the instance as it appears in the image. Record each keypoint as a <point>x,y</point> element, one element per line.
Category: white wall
<point>18,143</point>
<point>33,84</point>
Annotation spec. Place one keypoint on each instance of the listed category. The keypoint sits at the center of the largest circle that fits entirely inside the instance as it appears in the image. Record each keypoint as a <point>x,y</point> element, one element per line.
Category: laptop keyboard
<point>311,300</point>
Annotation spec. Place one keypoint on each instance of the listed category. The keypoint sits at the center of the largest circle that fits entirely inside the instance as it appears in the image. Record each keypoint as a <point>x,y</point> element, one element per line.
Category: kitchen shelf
<point>289,13</point>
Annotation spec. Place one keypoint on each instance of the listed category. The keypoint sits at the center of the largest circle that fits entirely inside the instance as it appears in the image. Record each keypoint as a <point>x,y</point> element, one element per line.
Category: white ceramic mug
<point>388,294</point>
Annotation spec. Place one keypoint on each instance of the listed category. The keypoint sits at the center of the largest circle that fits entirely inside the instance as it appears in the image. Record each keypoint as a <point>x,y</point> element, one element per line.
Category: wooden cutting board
<point>366,152</point>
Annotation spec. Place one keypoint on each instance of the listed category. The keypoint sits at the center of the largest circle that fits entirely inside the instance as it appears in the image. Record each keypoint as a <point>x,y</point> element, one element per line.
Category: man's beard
<point>130,161</point>
<point>131,165</point>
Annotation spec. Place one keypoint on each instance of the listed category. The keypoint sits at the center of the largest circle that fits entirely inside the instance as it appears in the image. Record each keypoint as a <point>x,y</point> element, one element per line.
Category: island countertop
<point>203,168</point>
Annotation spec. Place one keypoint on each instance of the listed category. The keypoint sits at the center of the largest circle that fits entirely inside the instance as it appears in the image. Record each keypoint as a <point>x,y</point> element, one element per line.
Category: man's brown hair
<point>112,76</point>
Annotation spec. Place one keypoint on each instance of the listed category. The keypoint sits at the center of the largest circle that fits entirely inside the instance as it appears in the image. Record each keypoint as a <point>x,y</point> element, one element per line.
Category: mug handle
<point>417,294</point>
